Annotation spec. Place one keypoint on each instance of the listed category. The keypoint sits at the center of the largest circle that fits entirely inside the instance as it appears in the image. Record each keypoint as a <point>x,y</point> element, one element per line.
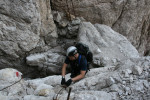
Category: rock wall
<point>27,29</point>
<point>128,17</point>
<point>108,48</point>
<point>30,43</point>
<point>26,26</point>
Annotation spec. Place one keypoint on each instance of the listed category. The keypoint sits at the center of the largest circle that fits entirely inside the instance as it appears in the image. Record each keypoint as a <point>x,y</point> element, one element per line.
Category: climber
<point>78,65</point>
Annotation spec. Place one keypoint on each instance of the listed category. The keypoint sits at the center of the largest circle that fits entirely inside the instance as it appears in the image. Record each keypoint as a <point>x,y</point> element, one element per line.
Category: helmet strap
<point>74,57</point>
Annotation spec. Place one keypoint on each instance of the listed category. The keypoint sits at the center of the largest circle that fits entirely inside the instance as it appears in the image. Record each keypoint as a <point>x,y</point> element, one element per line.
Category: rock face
<point>128,17</point>
<point>107,83</point>
<point>108,46</point>
<point>25,26</point>
<point>30,43</point>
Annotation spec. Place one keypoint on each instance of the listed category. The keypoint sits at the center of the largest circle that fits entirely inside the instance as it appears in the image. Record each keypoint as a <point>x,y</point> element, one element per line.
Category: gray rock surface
<point>107,83</point>
<point>34,39</point>
<point>137,70</point>
<point>108,46</point>
<point>128,17</point>
<point>24,25</point>
<point>30,29</point>
<point>48,63</point>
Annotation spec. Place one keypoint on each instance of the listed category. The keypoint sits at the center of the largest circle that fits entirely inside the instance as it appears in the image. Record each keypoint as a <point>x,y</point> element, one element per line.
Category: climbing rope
<point>11,85</point>
<point>58,94</point>
<point>16,81</point>
<point>56,98</point>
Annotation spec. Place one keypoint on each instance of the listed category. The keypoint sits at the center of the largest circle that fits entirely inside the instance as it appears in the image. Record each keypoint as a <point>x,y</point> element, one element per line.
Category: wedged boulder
<point>34,60</point>
<point>48,63</point>
<point>107,45</point>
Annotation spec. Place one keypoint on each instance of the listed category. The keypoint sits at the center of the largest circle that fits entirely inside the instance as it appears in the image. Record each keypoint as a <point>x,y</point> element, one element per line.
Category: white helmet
<point>71,51</point>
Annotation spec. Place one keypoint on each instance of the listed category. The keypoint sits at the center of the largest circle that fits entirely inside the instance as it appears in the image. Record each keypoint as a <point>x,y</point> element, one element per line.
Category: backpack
<point>83,49</point>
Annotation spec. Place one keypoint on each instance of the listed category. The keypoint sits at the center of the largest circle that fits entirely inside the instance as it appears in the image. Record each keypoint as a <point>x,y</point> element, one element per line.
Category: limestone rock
<point>57,17</point>
<point>8,77</point>
<point>21,27</point>
<point>115,88</point>
<point>128,17</point>
<point>138,86</point>
<point>48,63</point>
<point>76,21</point>
<point>112,45</point>
<point>93,95</point>
<point>9,98</point>
<point>27,30</point>
<point>110,81</point>
<point>9,74</point>
<point>137,70</point>
<point>44,90</point>
<point>35,60</point>
<point>100,83</point>
<point>127,72</point>
<point>68,29</point>
<point>146,84</point>
<point>32,97</point>
<point>94,11</point>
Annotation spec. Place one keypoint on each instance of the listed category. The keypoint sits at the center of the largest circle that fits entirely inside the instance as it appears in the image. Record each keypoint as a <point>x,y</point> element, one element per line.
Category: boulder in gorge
<point>48,63</point>
<point>108,46</point>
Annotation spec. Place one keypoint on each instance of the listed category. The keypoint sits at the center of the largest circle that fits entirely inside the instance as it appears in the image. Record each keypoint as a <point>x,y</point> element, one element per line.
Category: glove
<point>68,82</point>
<point>63,81</point>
